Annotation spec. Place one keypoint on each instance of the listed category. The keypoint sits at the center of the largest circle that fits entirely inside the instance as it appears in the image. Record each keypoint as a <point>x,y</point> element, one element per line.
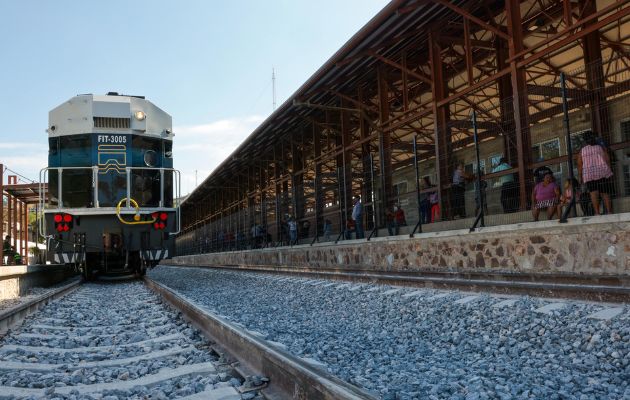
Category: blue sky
<point>207,63</point>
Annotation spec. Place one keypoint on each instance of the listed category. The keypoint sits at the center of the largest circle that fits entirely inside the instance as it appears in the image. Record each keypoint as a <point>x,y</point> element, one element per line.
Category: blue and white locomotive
<point>111,184</point>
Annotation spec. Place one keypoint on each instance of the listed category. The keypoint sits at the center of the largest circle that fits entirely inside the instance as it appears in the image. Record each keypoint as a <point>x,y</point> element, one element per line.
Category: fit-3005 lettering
<point>113,139</point>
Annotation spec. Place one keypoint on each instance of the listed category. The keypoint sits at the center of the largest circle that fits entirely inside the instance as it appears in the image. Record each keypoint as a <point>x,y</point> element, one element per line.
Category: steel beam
<point>572,37</point>
<point>519,100</point>
<point>441,115</point>
<point>384,139</point>
<point>1,212</point>
<point>600,116</point>
<point>366,161</point>
<point>15,222</point>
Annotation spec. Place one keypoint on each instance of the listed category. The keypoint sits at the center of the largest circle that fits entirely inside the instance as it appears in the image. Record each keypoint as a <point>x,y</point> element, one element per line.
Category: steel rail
<point>290,377</point>
<point>13,316</point>
<point>592,288</point>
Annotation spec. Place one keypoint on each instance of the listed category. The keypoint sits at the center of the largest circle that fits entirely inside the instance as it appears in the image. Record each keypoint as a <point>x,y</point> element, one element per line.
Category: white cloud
<point>24,158</point>
<point>23,146</point>
<point>203,147</point>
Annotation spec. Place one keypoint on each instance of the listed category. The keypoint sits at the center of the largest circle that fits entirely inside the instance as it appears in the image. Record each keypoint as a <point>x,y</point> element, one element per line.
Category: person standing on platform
<point>327,229</point>
<point>350,227</point>
<point>357,217</point>
<point>292,231</point>
<point>458,190</point>
<point>509,188</point>
<point>425,204</point>
<point>390,219</point>
<point>595,172</point>
<point>399,218</point>
<point>6,248</point>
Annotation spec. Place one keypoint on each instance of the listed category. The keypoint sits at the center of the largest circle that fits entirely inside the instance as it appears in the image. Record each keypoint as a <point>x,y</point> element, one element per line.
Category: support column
<point>15,223</point>
<point>1,212</point>
<point>10,218</point>
<point>442,135</point>
<point>384,141</point>
<point>277,172</point>
<point>506,105</point>
<point>25,233</point>
<point>600,116</point>
<point>346,140</point>
<point>298,176</point>
<point>519,101</point>
<point>319,201</point>
<point>364,129</point>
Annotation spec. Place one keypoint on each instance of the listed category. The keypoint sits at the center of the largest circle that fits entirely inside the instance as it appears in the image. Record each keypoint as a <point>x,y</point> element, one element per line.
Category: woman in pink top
<point>594,171</point>
<point>545,196</point>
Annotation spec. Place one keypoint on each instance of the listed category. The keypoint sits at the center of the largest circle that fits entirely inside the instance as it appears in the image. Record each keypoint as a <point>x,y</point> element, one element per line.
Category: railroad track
<point>112,340</point>
<point>406,343</point>
<point>603,288</point>
<point>120,340</point>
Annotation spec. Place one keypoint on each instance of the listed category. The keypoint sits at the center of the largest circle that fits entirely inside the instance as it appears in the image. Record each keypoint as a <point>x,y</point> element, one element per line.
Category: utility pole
<point>195,179</point>
<point>273,87</point>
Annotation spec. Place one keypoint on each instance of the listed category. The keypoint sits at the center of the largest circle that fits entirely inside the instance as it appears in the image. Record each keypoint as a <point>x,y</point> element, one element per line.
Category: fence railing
<point>565,154</point>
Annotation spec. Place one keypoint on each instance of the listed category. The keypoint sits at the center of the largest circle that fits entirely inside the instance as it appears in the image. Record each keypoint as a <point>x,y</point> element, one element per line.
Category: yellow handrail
<point>136,217</point>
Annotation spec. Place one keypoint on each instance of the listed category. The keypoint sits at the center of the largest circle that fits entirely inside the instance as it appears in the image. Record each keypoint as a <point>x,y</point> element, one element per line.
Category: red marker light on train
<point>154,215</point>
<point>156,225</point>
<point>163,216</point>
<point>63,222</point>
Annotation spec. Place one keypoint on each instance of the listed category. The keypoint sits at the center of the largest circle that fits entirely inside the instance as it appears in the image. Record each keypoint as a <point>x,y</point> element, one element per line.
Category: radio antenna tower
<point>273,87</point>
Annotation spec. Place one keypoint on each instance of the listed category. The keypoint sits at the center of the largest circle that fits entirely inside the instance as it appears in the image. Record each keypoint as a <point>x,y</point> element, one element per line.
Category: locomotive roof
<point>109,113</point>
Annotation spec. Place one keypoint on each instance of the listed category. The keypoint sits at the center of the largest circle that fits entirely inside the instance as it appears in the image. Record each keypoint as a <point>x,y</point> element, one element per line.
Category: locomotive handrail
<point>136,217</point>
<point>43,174</point>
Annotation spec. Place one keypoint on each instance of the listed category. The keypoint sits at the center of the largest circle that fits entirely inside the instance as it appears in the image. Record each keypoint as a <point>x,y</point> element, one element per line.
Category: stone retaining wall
<point>584,246</point>
<point>16,280</point>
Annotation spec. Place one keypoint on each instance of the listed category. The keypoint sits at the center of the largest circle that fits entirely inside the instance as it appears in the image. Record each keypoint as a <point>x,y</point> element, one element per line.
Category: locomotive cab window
<point>53,146</point>
<point>76,150</point>
<point>146,152</point>
<point>168,149</point>
<point>76,183</point>
<point>145,183</point>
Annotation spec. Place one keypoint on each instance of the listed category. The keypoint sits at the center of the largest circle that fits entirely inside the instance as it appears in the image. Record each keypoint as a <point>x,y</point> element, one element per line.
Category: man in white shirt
<point>357,216</point>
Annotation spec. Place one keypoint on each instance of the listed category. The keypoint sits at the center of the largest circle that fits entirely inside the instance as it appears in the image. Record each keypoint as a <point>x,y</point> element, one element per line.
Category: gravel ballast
<point>410,343</point>
<point>110,336</point>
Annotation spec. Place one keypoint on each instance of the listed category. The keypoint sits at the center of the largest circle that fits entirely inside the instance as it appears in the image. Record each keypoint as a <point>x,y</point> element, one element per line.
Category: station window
<point>548,150</point>
<point>625,130</point>
<point>626,180</point>
<point>471,168</point>
<point>494,160</point>
<point>400,190</point>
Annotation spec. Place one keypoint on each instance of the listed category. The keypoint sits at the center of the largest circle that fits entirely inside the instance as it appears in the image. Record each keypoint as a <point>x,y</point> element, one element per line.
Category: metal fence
<point>577,130</point>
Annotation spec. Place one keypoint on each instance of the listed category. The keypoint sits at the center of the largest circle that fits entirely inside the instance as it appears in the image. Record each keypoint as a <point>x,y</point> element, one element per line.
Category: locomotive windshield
<point>76,183</point>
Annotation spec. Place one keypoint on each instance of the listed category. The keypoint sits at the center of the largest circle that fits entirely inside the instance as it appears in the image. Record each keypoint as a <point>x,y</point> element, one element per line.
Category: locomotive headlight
<point>139,115</point>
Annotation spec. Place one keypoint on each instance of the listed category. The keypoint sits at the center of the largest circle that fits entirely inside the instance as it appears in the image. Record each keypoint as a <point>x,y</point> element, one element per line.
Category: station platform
<point>16,280</point>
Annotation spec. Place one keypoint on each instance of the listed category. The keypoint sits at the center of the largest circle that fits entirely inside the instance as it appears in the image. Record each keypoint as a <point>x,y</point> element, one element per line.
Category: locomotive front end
<point>111,185</point>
